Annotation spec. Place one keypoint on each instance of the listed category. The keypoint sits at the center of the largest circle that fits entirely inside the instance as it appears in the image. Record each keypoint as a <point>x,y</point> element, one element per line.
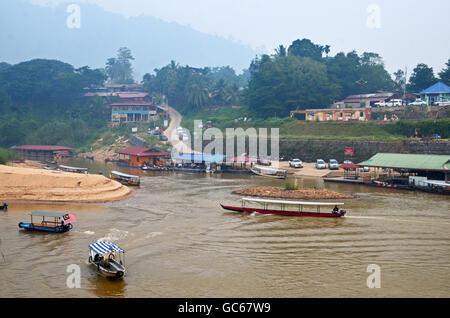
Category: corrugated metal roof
<point>409,161</point>
<point>438,88</point>
<point>43,148</point>
<point>141,151</point>
<point>201,157</point>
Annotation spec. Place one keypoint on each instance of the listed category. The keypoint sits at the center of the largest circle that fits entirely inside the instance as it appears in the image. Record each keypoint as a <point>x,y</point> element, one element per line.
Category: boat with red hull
<point>300,212</point>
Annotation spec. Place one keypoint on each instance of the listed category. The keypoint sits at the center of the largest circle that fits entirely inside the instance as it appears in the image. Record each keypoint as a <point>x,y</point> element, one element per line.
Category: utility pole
<point>404,85</point>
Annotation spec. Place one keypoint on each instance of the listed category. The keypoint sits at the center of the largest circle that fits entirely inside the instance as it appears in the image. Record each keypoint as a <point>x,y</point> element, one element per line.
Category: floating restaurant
<point>141,156</point>
<point>44,152</point>
<point>429,173</point>
<point>199,163</point>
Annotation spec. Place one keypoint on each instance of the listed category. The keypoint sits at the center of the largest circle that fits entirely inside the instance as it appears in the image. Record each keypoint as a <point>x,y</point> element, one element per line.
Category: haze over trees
<point>191,89</point>
<point>41,102</point>
<point>119,69</point>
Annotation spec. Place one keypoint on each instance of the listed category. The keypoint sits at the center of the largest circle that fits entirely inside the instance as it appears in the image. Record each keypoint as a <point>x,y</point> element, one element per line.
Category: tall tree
<point>281,51</point>
<point>444,75</point>
<point>119,69</point>
<point>306,48</point>
<point>421,78</point>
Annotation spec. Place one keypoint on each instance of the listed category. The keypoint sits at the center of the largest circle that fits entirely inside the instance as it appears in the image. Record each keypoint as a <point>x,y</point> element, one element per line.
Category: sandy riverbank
<point>39,185</point>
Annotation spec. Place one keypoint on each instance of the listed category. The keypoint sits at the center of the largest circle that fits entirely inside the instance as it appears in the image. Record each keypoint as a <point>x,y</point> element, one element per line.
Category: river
<point>180,243</point>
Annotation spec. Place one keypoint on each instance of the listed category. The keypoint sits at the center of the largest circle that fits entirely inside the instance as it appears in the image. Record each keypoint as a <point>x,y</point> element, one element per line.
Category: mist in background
<point>223,32</point>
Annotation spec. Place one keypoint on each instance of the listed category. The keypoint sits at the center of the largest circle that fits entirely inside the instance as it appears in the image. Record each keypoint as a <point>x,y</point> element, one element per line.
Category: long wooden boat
<point>124,178</point>
<point>51,222</point>
<point>72,169</point>
<point>269,172</point>
<point>302,208</point>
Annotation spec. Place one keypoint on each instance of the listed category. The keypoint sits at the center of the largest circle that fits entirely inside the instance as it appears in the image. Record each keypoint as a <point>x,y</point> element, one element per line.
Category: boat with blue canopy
<point>108,258</point>
<point>49,222</point>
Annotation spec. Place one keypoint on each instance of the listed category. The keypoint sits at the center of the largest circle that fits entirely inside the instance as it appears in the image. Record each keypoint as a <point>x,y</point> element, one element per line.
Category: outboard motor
<point>5,206</point>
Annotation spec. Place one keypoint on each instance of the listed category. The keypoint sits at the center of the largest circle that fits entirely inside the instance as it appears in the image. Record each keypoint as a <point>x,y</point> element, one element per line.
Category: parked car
<point>295,163</point>
<point>418,102</point>
<point>391,103</point>
<point>163,138</point>
<point>442,103</point>
<point>333,164</point>
<point>264,162</point>
<point>320,164</point>
<point>348,162</point>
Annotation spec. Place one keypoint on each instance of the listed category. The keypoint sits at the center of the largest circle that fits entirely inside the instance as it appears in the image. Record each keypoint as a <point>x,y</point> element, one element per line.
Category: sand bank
<point>304,194</point>
<point>30,184</point>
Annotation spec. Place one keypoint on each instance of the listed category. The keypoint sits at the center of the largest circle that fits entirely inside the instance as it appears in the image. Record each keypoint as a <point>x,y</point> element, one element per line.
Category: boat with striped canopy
<point>108,258</point>
<point>286,208</point>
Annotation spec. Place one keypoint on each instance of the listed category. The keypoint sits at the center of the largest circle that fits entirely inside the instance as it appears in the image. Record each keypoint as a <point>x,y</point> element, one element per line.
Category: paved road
<point>171,132</point>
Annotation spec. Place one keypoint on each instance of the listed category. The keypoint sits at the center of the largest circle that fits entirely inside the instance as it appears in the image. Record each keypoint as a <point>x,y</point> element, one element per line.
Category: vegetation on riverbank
<point>6,154</point>
<point>293,129</point>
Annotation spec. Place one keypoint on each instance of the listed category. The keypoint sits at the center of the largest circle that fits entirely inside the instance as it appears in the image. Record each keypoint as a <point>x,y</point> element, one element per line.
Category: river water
<point>180,243</point>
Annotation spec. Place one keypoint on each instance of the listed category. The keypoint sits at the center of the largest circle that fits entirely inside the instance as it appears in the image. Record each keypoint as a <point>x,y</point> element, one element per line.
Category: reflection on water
<point>180,243</point>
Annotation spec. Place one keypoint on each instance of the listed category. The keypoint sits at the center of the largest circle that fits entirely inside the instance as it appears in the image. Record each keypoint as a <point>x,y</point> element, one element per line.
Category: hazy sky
<point>403,32</point>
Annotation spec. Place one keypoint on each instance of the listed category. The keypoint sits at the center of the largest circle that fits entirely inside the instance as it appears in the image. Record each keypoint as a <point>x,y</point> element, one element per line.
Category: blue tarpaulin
<point>201,157</point>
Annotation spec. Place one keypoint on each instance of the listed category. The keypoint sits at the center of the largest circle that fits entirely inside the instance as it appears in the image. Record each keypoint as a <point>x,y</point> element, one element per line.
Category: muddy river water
<point>180,243</point>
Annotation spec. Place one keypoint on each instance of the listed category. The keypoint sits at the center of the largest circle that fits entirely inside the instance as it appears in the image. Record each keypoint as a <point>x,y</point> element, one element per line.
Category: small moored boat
<point>269,172</point>
<point>124,178</point>
<point>285,211</point>
<point>108,258</point>
<point>4,206</point>
<point>50,222</point>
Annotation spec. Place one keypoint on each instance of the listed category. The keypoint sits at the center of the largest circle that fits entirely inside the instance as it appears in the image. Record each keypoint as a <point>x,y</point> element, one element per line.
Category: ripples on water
<point>180,243</point>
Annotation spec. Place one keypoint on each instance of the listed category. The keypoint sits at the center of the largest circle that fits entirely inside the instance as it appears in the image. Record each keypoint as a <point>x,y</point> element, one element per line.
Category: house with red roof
<point>139,156</point>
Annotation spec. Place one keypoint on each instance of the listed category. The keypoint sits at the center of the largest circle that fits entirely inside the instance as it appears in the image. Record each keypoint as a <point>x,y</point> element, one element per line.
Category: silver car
<point>320,164</point>
<point>296,163</point>
<point>333,164</point>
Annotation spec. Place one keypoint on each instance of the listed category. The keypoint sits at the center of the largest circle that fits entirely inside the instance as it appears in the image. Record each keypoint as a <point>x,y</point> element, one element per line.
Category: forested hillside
<point>41,102</point>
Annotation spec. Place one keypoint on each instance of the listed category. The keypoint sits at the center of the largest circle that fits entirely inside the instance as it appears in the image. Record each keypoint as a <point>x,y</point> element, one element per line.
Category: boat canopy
<point>291,202</point>
<point>124,175</point>
<point>49,214</point>
<point>105,248</point>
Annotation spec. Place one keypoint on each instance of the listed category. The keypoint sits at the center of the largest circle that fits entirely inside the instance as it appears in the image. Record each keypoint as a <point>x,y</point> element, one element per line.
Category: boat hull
<point>30,227</point>
<point>268,175</point>
<point>115,270</point>
<point>284,213</point>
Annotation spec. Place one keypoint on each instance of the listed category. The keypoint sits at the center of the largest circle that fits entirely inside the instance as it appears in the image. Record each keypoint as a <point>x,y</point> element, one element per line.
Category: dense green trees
<point>42,102</point>
<point>421,78</point>
<point>305,79</point>
<point>191,89</point>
